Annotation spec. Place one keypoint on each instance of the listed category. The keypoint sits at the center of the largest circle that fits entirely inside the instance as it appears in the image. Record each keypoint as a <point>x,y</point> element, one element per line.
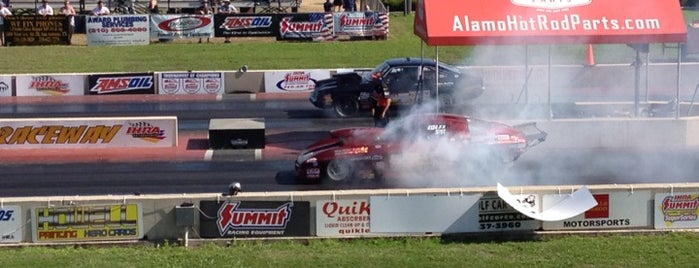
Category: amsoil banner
<point>191,83</point>
<point>360,24</point>
<point>254,219</point>
<point>519,22</point>
<point>678,210</point>
<point>36,30</point>
<point>87,223</point>
<point>342,217</point>
<point>181,26</point>
<point>88,132</point>
<point>615,210</point>
<point>50,85</point>
<point>245,25</point>
<point>11,224</point>
<point>293,80</point>
<point>305,26</point>
<point>120,30</point>
<point>126,83</point>
<point>5,86</point>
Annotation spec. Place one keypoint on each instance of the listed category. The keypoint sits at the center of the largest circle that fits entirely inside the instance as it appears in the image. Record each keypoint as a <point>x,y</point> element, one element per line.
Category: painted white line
<point>208,155</point>
<point>258,154</point>
<point>253,97</point>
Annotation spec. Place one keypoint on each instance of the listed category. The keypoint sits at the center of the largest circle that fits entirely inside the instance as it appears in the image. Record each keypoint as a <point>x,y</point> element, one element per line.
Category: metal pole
<point>677,81</point>
<point>549,87</point>
<point>647,67</point>
<point>526,74</point>
<point>637,82</point>
<point>436,79</point>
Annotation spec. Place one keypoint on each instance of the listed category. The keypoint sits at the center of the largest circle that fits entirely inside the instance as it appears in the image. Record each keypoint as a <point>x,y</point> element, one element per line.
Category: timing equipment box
<point>237,133</point>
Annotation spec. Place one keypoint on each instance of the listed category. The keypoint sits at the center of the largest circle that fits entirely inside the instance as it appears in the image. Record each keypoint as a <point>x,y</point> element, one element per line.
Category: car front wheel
<point>339,170</point>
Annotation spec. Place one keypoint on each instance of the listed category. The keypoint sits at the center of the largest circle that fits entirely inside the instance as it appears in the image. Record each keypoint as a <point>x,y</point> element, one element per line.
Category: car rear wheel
<point>340,170</point>
<point>346,106</point>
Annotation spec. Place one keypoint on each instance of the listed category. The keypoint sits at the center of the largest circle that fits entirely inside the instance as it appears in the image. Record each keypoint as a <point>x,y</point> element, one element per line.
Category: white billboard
<point>293,80</point>
<point>119,30</point>
<point>181,26</point>
<point>11,222</point>
<point>189,83</point>
<point>88,132</point>
<point>342,217</point>
<point>424,214</point>
<point>614,210</point>
<point>50,85</point>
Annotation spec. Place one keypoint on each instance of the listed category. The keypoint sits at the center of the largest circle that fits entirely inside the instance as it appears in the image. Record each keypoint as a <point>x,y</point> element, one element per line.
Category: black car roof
<point>410,61</point>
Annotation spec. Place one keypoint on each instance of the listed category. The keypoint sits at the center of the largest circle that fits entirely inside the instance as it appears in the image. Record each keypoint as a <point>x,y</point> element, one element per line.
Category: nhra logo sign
<point>121,84</point>
<point>49,85</point>
<point>254,219</point>
<point>146,131</point>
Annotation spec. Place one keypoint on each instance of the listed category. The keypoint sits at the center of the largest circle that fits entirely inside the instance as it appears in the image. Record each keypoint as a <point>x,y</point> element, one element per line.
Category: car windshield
<point>378,69</point>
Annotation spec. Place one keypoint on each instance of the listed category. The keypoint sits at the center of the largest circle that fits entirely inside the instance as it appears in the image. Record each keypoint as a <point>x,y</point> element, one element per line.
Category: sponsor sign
<point>36,30</point>
<point>440,22</point>
<point>342,217</point>
<point>11,222</point>
<point>614,210</point>
<point>88,132</point>
<point>679,210</point>
<point>254,219</point>
<point>181,26</point>
<point>494,214</point>
<point>131,83</point>
<point>293,80</point>
<point>5,86</point>
<point>191,83</point>
<point>50,85</point>
<point>355,23</point>
<point>305,26</point>
<point>121,30</point>
<point>245,25</point>
<point>422,214</point>
<point>87,223</point>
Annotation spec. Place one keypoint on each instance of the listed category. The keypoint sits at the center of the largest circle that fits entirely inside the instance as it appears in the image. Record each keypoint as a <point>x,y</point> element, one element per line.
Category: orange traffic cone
<point>590,57</point>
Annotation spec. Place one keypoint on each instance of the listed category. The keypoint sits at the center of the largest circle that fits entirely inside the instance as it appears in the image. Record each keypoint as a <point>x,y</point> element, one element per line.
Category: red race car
<point>423,141</point>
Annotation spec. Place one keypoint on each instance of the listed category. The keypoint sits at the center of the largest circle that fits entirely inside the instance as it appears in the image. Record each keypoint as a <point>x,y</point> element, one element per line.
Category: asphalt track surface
<point>291,124</point>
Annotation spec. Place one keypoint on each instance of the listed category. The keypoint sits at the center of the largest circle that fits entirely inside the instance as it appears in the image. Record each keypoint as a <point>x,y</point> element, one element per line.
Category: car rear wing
<point>532,133</point>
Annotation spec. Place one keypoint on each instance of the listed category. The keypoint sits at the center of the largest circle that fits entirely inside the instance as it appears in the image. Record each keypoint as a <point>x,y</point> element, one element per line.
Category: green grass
<point>667,250</point>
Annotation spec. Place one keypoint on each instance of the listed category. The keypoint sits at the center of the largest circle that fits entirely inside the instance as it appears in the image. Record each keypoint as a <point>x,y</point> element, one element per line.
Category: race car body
<point>357,152</point>
<point>409,80</point>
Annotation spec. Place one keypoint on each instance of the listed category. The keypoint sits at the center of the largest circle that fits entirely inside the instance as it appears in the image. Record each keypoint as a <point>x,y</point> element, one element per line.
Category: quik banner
<point>245,25</point>
<point>11,223</point>
<point>254,219</point>
<point>118,30</point>
<point>36,30</point>
<point>126,83</point>
<point>181,26</point>
<point>305,26</point>
<point>87,223</point>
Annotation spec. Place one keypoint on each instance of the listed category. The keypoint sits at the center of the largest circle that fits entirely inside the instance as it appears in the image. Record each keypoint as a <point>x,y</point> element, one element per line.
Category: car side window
<point>402,79</point>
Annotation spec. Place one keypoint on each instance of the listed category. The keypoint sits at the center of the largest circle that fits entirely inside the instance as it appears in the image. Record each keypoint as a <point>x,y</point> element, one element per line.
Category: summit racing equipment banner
<point>342,217</point>
<point>11,223</point>
<point>191,83</point>
<point>305,26</point>
<point>127,83</point>
<point>87,223</point>
<point>293,81</point>
<point>519,22</point>
<point>254,219</point>
<point>36,30</point>
<point>181,26</point>
<point>360,23</point>
<point>5,86</point>
<point>615,210</point>
<point>245,25</point>
<point>124,30</point>
<point>88,132</point>
<point>50,85</point>
<point>678,210</point>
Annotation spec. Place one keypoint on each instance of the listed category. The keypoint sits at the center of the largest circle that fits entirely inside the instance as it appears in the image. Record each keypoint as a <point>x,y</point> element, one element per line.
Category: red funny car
<point>435,138</point>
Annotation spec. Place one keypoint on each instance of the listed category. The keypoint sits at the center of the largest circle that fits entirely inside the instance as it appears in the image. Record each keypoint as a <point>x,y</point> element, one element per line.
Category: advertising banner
<point>50,85</point>
<point>126,83</point>
<point>87,223</point>
<point>614,210</point>
<point>360,24</point>
<point>676,211</point>
<point>120,30</point>
<point>5,86</point>
<point>88,132</point>
<point>11,222</point>
<point>191,83</point>
<point>293,80</point>
<point>423,214</point>
<point>342,217</point>
<point>305,26</point>
<point>181,26</point>
<point>245,25</point>
<point>254,219</point>
<point>494,214</point>
<point>36,30</point>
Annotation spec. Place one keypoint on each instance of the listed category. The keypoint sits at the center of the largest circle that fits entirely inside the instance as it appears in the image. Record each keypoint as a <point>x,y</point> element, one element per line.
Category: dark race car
<point>448,142</point>
<point>410,80</point>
